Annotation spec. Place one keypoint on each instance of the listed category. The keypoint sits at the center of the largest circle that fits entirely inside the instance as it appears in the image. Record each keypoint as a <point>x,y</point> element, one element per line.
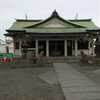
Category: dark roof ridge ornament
<point>55,13</point>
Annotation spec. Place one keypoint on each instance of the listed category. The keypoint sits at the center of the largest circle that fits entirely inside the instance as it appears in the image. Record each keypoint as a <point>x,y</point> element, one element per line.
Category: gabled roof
<point>56,16</point>
<point>88,23</point>
<point>40,26</point>
<point>21,23</point>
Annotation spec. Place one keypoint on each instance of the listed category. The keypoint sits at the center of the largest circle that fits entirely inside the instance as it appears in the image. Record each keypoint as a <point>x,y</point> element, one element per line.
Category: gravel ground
<point>24,84</point>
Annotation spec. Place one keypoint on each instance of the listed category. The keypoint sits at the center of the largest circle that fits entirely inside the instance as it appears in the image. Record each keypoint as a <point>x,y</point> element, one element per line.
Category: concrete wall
<point>2,48</point>
<point>11,47</point>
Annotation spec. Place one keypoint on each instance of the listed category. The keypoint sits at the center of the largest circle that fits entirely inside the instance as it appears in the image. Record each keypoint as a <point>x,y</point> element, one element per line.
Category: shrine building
<point>55,36</point>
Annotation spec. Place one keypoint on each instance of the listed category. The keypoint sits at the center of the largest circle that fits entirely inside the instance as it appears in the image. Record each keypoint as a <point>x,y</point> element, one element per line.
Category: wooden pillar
<point>36,47</point>
<point>65,47</point>
<point>47,48</point>
<point>93,51</point>
<point>76,48</point>
<point>89,48</point>
<point>20,48</point>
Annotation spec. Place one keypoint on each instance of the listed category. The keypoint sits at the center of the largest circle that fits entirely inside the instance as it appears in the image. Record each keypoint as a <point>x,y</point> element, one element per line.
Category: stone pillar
<point>20,47</point>
<point>65,47</point>
<point>47,48</point>
<point>36,47</point>
<point>76,48</point>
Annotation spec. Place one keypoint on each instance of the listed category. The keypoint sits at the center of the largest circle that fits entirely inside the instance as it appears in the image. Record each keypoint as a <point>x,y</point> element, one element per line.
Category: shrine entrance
<point>56,47</point>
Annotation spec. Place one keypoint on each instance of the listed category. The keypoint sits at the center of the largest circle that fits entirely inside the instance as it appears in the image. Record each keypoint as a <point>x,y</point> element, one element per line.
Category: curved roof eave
<point>56,15</point>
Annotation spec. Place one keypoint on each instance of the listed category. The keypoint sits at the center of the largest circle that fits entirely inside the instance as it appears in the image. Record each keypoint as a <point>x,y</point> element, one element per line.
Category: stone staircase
<point>45,61</point>
<point>63,59</point>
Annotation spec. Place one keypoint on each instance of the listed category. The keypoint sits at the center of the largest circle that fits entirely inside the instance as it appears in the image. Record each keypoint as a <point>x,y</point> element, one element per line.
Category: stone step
<point>63,59</point>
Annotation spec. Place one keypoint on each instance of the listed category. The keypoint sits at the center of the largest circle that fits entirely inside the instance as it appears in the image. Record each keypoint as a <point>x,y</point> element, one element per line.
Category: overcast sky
<point>41,9</point>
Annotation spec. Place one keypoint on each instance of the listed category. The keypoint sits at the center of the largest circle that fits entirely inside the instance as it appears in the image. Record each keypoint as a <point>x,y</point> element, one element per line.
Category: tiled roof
<point>81,25</point>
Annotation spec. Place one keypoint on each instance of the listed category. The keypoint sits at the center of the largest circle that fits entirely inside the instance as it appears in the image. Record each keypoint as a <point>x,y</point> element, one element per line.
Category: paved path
<point>75,85</point>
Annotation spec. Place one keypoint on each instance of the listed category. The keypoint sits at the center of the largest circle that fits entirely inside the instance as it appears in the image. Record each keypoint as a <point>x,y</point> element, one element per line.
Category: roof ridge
<point>55,15</point>
<point>43,20</point>
<point>79,19</point>
<point>28,20</point>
